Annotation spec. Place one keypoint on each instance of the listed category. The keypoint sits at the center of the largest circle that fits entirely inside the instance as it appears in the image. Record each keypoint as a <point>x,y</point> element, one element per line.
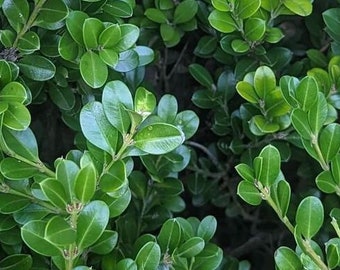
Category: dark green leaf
<point>17,13</point>
<point>156,15</point>
<point>325,182</point>
<point>329,141</point>
<point>191,247</point>
<point>15,169</point>
<point>29,42</point>
<point>202,75</point>
<point>169,235</point>
<point>36,67</point>
<point>307,93</point>
<point>287,259</point>
<point>207,228</point>
<point>16,261</point>
<point>74,24</point>
<point>300,123</point>
<point>55,192</point>
<point>86,183</point>
<point>52,12</point>
<point>188,122</point>
<point>106,243</point>
<point>59,232</point>
<point>12,203</point>
<point>93,70</point>
<point>185,11</point>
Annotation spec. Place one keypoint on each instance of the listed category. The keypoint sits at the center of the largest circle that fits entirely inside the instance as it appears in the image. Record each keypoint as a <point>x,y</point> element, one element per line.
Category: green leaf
<point>264,81</point>
<point>110,36</point>
<point>123,9</point>
<point>16,12</point>
<point>156,15</point>
<point>240,46</point>
<point>59,232</point>
<point>210,258</point>
<point>145,55</point>
<point>128,38</point>
<point>170,35</point>
<point>206,46</point>
<point>249,193</point>
<point>158,138</point>
<point>86,183</point>
<point>17,116</point>
<point>91,224</point>
<point>93,70</point>
<point>106,243</point>
<point>254,29</point>
<point>309,216</point>
<point>302,7</point>
<point>22,143</point>
<point>167,108</point>
<point>287,259</point>
<point>92,28</point>
<point>283,194</point>
<point>202,75</point>
<point>188,122</point>
<point>149,256</point>
<point>116,97</point>
<point>36,67</point>
<point>29,42</point>
<point>64,98</point>
<point>246,172</point>
<point>126,264</point>
<point>16,261</point>
<point>220,5</point>
<point>335,167</point>
<point>318,115</point>
<point>109,57</point>
<point>15,169</point>
<point>247,91</point>
<point>246,8</point>
<point>6,72</point>
<point>68,49</point>
<point>329,141</point>
<point>325,182</point>
<point>66,172</point>
<point>144,102</point>
<point>11,203</point>
<point>169,236</point>
<point>185,11</point>
<point>300,123</point>
<point>33,235</point>
<point>273,35</point>
<point>97,129</point>
<point>55,192</point>
<point>52,12</point>
<point>207,228</point>
<point>307,93</point>
<point>114,181</point>
<point>191,247</point>
<point>332,252</point>
<point>74,24</point>
<point>13,92</point>
<point>128,61</point>
<point>117,205</point>
<point>270,167</point>
<point>222,21</point>
<point>263,125</point>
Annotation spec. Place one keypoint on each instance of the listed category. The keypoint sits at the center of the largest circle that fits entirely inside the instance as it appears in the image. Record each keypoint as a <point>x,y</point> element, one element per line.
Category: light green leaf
<point>29,42</point>
<point>191,247</point>
<point>15,169</point>
<point>246,8</point>
<point>110,36</point>
<point>158,138</point>
<point>145,102</point>
<point>309,216</point>
<point>149,256</point>
<point>188,122</point>
<point>254,29</point>
<point>222,21</point>
<point>329,141</point>
<point>74,24</point>
<point>301,7</point>
<point>246,172</point>
<point>92,28</point>
<point>270,167</point>
<point>307,93</point>
<point>169,235</point>
<point>325,182</point>
<point>300,123</point>
<point>167,108</point>
<point>55,192</point>
<point>264,81</point>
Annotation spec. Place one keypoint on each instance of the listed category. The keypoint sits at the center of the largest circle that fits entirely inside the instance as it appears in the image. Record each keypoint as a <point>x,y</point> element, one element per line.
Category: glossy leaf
<point>300,123</point>
<point>247,91</point>
<point>191,247</point>
<point>185,11</point>
<point>116,97</point>
<point>55,192</point>
<point>249,193</point>
<point>17,12</point>
<point>16,261</point>
<point>66,172</point>
<point>210,257</point>
<point>5,70</point>
<point>92,221</point>
<point>158,138</point>
<point>114,181</point>
<point>156,15</point>
<point>144,102</point>
<point>149,256</point>
<point>309,216</point>
<point>129,36</point>
<point>222,21</point>
<point>246,172</point>
<point>255,29</point>
<point>325,182</point>
<point>202,75</point>
<point>74,24</point>
<point>15,169</point>
<point>207,228</point>
<point>167,108</point>
<point>329,141</point>
<point>33,235</point>
<point>110,36</point>
<point>59,232</point>
<point>29,42</point>
<point>188,122</point>
<point>64,98</point>
<point>52,12</point>
<point>318,115</point>
<point>97,129</point>
<point>307,93</point>
<point>302,8</point>
<point>37,67</point>
<point>283,194</point>
<point>86,183</point>
<point>106,243</point>
<point>246,8</point>
<point>169,235</point>
<point>67,48</point>
<point>264,81</point>
<point>12,203</point>
<point>92,28</point>
<point>22,142</point>
<point>17,116</point>
<point>287,259</point>
<point>270,167</point>
<point>93,70</point>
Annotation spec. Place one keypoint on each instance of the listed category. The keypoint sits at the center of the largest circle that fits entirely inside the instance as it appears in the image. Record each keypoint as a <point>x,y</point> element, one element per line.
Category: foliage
<point>173,112</point>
